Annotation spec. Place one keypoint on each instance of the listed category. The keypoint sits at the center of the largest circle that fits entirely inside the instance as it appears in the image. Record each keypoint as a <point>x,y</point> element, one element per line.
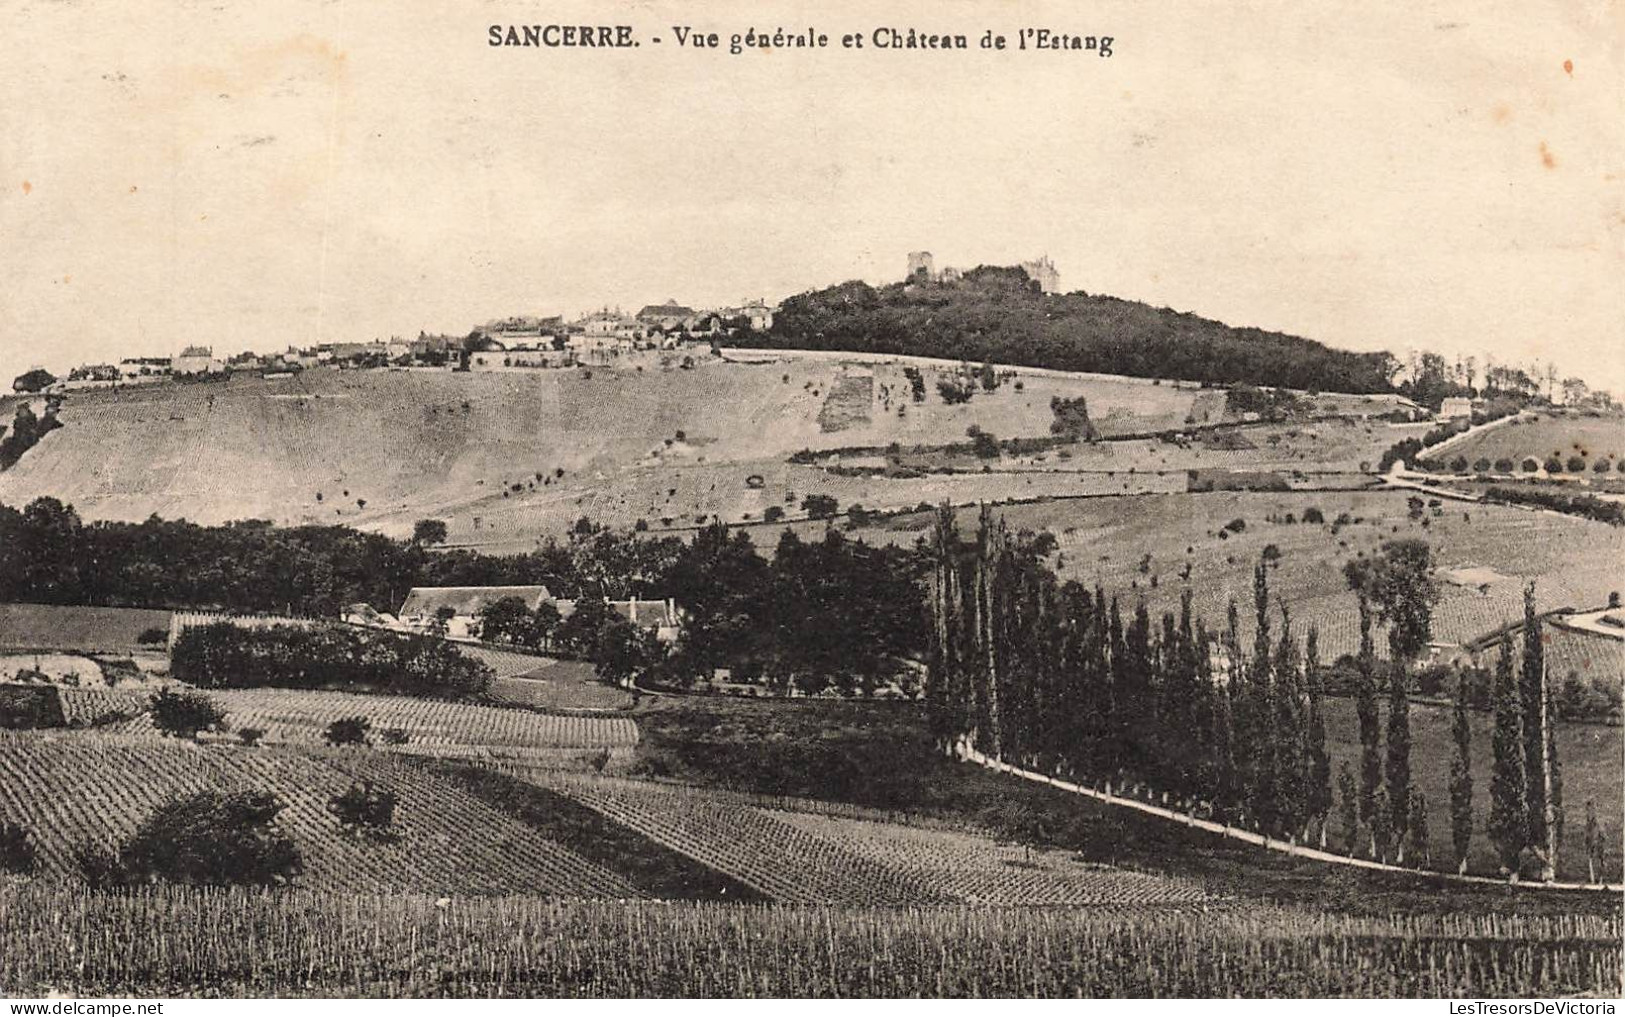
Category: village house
<point>195,360</point>
<point>754,313</point>
<point>1455,407</point>
<point>667,317</point>
<point>359,354</point>
<point>607,324</point>
<point>459,607</point>
<point>143,367</point>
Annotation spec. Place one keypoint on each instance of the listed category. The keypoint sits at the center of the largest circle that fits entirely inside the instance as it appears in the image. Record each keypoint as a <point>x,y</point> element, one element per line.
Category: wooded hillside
<point>999,314</point>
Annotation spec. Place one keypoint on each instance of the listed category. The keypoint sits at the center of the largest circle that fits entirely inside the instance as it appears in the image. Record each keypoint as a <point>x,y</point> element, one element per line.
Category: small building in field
<point>1455,407</point>
<point>459,607</point>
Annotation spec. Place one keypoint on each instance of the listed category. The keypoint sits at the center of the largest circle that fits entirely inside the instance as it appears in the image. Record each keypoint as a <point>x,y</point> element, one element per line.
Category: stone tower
<point>1042,271</point>
<point>921,263</point>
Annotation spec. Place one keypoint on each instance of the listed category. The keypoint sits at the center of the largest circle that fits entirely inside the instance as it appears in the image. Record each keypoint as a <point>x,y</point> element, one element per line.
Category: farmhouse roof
<point>467,601</point>
<point>670,309</point>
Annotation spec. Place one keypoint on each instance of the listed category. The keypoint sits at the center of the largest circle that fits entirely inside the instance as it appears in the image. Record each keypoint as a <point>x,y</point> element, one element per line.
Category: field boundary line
<point>1315,854</point>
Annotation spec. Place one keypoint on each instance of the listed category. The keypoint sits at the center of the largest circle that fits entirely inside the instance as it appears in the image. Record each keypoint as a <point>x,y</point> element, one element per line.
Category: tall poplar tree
<point>1365,708</point>
<point>1320,760</point>
<point>1509,787</point>
<point>1540,748</point>
<point>1399,758</point>
<point>1461,779</point>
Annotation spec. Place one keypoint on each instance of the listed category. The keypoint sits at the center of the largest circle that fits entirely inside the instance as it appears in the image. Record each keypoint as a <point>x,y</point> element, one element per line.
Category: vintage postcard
<point>986,498</point>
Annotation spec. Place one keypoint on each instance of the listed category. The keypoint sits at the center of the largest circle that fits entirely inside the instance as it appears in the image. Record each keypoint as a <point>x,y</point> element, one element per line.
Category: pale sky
<point>255,175</point>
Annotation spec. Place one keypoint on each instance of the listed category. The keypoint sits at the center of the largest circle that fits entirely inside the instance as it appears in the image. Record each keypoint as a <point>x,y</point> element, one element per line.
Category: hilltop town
<point>513,343</point>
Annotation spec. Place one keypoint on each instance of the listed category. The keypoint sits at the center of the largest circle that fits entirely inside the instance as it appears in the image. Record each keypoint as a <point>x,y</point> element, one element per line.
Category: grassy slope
<point>879,755</point>
<point>1558,435</point>
<point>406,443</point>
<point>1574,561</point>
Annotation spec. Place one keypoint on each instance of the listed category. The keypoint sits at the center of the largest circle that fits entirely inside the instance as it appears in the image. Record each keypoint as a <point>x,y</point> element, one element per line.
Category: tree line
<point>831,613</point>
<point>1062,679</point>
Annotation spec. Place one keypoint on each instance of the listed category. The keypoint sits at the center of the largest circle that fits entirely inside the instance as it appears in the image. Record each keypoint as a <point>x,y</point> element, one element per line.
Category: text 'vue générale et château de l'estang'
<point>602,37</point>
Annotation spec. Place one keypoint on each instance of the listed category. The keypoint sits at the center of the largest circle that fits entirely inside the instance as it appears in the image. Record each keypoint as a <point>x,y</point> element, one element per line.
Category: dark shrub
<point>1531,464</point>
<point>1313,514</point>
<point>213,838</point>
<point>364,811</point>
<point>250,736</point>
<point>348,731</point>
<point>1576,464</point>
<point>184,714</point>
<point>395,736</point>
<point>98,867</point>
<point>1554,465</point>
<point>30,706</point>
<point>16,849</point>
<point>1503,465</point>
<point>820,506</point>
<point>152,637</point>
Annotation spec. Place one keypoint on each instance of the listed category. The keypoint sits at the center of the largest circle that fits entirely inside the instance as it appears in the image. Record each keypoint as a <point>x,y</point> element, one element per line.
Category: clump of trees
<point>1072,419</point>
<point>211,838</point>
<point>366,812</point>
<point>347,731</point>
<point>185,714</point>
<point>833,614</point>
<point>510,620</point>
<point>223,655</point>
<point>26,431</point>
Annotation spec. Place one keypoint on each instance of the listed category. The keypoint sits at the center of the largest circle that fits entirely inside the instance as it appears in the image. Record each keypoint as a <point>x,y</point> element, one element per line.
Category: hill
<point>999,314</point>
<point>508,457</point>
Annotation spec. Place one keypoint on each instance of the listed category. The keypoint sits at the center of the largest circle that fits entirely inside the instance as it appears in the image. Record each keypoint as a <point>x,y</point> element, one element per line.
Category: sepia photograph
<point>809,499</point>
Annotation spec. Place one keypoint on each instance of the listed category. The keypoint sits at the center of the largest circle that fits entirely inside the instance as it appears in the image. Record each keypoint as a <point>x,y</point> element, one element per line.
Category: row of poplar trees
<point>1055,677</point>
<point>1526,783</point>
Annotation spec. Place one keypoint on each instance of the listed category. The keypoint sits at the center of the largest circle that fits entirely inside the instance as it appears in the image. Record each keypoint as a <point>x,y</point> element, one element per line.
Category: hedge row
<point>222,655</point>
